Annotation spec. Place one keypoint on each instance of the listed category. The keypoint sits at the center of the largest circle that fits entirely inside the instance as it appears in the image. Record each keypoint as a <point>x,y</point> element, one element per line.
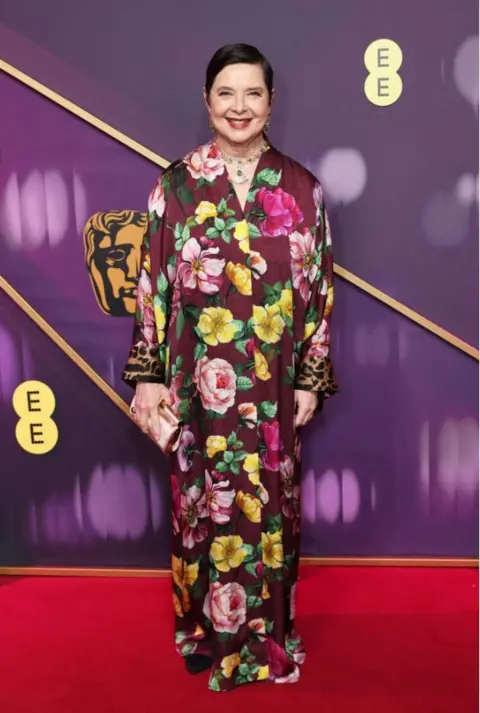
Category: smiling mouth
<point>238,123</point>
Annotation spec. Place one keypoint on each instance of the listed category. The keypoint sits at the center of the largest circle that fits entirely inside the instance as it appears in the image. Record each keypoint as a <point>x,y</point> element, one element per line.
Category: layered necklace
<point>239,176</point>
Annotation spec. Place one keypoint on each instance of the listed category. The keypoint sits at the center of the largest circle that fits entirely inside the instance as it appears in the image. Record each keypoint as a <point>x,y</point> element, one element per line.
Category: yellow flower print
<point>241,234</point>
<point>215,325</point>
<point>261,366</point>
<point>160,322</point>
<point>241,277</point>
<point>229,664</point>
<point>286,303</point>
<point>227,552</point>
<point>265,593</point>
<point>250,506</point>
<point>309,330</point>
<point>184,575</point>
<point>146,264</point>
<point>329,303</point>
<point>252,465</point>
<point>205,210</point>
<point>177,606</point>
<point>267,323</point>
<point>216,444</point>
<point>272,549</point>
<point>263,673</point>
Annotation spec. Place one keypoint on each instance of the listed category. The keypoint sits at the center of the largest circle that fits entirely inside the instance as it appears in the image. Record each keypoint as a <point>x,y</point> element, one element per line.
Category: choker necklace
<point>240,176</point>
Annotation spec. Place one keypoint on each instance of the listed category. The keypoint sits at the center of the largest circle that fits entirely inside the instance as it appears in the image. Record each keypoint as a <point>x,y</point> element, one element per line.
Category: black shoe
<point>196,663</point>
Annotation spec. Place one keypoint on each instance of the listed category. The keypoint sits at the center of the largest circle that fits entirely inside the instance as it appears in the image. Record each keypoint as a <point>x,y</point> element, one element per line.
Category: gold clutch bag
<point>171,427</point>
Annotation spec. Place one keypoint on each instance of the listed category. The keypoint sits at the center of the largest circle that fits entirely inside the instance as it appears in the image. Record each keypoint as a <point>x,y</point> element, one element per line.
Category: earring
<point>267,124</point>
<point>211,126</point>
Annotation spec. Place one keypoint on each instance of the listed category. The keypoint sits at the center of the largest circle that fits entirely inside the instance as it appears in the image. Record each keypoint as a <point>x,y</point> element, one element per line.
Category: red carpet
<point>379,641</point>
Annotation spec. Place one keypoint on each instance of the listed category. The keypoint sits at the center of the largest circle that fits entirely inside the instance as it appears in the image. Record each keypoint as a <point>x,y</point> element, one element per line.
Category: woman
<point>232,329</point>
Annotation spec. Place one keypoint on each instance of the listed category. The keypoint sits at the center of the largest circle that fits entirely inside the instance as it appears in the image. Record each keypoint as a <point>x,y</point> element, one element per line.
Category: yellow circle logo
<point>34,404</point>
<point>383,59</point>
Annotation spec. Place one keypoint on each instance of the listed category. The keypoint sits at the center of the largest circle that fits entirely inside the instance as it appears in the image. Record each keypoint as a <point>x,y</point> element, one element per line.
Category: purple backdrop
<point>391,466</point>
<point>402,179</point>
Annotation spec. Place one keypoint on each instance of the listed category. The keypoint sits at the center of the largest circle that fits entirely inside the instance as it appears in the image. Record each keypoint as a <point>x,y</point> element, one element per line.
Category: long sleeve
<point>148,357</point>
<point>314,371</point>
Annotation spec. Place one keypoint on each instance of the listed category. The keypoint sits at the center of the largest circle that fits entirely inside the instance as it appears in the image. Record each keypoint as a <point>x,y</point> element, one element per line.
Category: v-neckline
<point>243,210</point>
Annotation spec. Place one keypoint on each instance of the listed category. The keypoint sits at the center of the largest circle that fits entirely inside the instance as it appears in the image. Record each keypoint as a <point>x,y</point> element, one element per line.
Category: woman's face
<point>239,104</point>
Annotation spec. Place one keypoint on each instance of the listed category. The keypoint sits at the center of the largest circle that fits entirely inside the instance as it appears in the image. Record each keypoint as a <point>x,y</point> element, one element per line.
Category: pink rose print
<point>176,504</point>
<point>194,509</point>
<point>282,214</point>
<point>219,500</point>
<point>271,436</point>
<point>206,162</point>
<point>290,498</point>
<point>145,303</point>
<point>216,382</point>
<point>304,269</point>
<point>177,383</point>
<point>317,195</point>
<point>226,607</point>
<point>278,662</point>
<point>187,442</point>
<point>156,202</point>
<point>319,344</point>
<point>200,268</point>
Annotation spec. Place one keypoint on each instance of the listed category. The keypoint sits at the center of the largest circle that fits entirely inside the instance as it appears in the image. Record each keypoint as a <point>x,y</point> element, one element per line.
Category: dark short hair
<point>238,54</point>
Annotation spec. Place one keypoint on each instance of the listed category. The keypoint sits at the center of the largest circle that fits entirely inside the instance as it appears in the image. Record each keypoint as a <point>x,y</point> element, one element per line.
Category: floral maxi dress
<point>233,315</point>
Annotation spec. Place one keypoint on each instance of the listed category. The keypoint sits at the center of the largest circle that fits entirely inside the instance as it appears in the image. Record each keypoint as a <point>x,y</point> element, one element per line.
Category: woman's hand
<point>148,396</point>
<point>305,405</point>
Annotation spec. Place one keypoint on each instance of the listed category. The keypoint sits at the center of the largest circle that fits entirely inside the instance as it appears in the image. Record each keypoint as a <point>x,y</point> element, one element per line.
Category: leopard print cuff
<point>143,365</point>
<point>316,374</point>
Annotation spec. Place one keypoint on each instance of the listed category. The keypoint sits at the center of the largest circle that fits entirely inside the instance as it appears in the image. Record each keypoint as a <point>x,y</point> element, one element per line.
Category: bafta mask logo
<point>113,242</point>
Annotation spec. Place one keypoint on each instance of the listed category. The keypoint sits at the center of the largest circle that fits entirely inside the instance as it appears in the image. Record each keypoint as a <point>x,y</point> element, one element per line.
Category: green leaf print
<point>251,568</point>
<point>251,195</point>
<point>244,669</point>
<point>179,176</point>
<point>226,235</point>
<point>228,457</point>
<point>274,523</point>
<point>235,468</point>
<point>214,575</point>
<point>185,234</point>
<point>219,224</point>
<point>253,602</point>
<point>244,383</point>
<point>185,194</point>
<point>268,409</point>
<point>240,327</point>
<point>238,369</point>
<point>212,233</point>
<point>223,636</point>
<point>154,224</point>
<point>222,206</point>
<point>241,345</point>
<point>200,351</point>
<point>162,284</point>
<point>231,222</point>
<point>268,177</point>
<point>180,323</point>
<point>240,455</point>
<point>191,221</point>
<point>178,231</point>
<point>237,445</point>
<point>214,684</point>
<point>229,212</point>
<point>249,552</point>
<point>232,438</point>
<point>213,414</point>
<point>253,231</point>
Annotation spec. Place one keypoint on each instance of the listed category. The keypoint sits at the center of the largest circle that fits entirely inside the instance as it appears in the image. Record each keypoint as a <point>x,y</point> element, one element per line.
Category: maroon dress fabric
<point>233,315</point>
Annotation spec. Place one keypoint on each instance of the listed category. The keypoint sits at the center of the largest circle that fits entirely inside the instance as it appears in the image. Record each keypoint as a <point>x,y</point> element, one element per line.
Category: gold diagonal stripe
<point>64,346</point>
<point>407,312</point>
<point>160,161</point>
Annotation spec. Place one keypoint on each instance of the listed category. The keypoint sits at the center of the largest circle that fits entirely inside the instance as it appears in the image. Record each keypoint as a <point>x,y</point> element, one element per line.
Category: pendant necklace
<point>239,177</point>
